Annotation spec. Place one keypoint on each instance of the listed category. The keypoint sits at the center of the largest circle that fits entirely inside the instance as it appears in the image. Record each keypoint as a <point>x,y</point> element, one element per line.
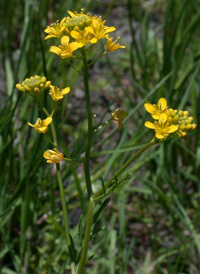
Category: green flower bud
<point>27,88</point>
<point>19,87</point>
<point>180,113</point>
<point>188,127</point>
<point>190,119</point>
<point>182,127</point>
<point>176,118</point>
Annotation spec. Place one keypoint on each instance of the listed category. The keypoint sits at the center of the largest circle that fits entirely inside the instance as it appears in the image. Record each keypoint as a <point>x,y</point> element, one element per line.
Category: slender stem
<point>71,253</point>
<point>89,115</point>
<point>86,236</point>
<point>76,69</point>
<point>72,160</point>
<point>97,58</point>
<point>52,128</point>
<point>64,208</point>
<point>101,191</point>
<point>106,122</point>
<point>49,140</point>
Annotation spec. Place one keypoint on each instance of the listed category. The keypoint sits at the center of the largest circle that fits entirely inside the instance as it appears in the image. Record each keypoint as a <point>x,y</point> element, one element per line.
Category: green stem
<point>106,122</point>
<point>71,253</point>
<point>89,115</point>
<point>52,127</point>
<point>86,237</point>
<point>64,208</point>
<point>76,69</point>
<point>97,58</point>
<point>72,160</point>
<point>101,191</point>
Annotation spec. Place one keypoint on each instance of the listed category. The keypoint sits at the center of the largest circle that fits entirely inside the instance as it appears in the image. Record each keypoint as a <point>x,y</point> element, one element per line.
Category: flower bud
<point>119,115</point>
<point>176,118</point>
<point>188,127</point>
<point>53,156</point>
<point>180,113</point>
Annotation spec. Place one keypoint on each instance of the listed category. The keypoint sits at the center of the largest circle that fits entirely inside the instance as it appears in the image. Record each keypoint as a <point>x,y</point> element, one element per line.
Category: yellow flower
<point>55,30</point>
<point>156,110</point>
<point>57,94</point>
<point>53,156</point>
<point>66,49</point>
<point>162,127</point>
<point>41,126</point>
<point>119,115</point>
<point>83,37</point>
<point>98,28</point>
<point>112,46</point>
<point>34,85</point>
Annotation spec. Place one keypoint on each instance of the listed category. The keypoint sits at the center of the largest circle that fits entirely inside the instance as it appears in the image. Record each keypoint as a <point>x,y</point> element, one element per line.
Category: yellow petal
<point>71,13</point>
<point>46,154</point>
<point>162,118</point>
<point>49,162</point>
<point>89,29</point>
<point>66,54</point>
<point>162,104</point>
<point>75,34</point>
<point>159,136</point>
<point>41,129</point>
<point>156,117</point>
<point>55,49</point>
<point>55,157</point>
<point>30,124</point>
<point>74,46</point>
<point>110,29</point>
<point>65,90</point>
<point>65,40</point>
<point>47,121</point>
<point>38,121</point>
<point>93,40</point>
<point>150,108</point>
<point>149,125</point>
<point>49,36</point>
<point>63,20</point>
<point>172,128</point>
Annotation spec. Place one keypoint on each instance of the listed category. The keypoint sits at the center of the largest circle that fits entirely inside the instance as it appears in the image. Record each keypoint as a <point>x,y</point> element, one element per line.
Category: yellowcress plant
<point>79,32</point>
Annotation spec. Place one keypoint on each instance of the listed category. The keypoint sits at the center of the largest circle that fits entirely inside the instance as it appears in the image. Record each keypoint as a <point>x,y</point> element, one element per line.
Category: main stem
<point>89,116</point>
<point>86,236</point>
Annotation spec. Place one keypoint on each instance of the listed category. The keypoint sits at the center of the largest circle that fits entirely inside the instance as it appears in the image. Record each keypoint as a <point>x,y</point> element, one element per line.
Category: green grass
<point>151,224</point>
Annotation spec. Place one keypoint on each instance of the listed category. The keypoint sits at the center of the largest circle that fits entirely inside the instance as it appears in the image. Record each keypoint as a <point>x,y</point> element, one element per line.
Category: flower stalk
<point>86,236</point>
<point>90,130</point>
<point>64,208</point>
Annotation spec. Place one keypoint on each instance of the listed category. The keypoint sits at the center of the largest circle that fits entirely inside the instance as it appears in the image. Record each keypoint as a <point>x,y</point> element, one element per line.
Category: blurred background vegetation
<point>151,225</point>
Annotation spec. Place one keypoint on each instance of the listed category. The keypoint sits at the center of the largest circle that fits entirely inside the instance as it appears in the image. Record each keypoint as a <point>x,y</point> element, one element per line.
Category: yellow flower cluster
<point>82,29</point>
<point>168,121</point>
<point>34,85</point>
<point>53,156</point>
